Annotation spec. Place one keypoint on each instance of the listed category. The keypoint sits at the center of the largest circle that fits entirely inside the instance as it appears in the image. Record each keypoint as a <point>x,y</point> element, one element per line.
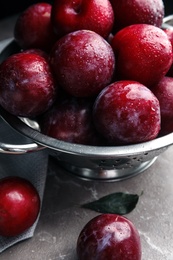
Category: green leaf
<point>116,203</point>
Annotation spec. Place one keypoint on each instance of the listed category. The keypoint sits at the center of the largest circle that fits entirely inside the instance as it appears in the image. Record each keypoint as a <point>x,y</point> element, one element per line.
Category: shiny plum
<point>19,205</point>
<point>33,28</point>
<point>136,12</point>
<point>70,120</point>
<point>95,15</point>
<point>109,236</point>
<point>27,85</point>
<point>143,53</point>
<point>83,63</point>
<point>127,112</point>
<point>164,93</point>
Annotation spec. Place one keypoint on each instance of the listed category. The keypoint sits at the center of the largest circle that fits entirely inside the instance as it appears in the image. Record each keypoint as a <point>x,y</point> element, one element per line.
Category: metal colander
<point>86,162</point>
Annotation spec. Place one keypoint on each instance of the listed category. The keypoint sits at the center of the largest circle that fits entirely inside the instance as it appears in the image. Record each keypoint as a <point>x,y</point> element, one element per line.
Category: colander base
<point>107,175</point>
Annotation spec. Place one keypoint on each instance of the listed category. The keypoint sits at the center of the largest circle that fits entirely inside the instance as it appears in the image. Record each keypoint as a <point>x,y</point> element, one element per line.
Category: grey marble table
<point>62,219</point>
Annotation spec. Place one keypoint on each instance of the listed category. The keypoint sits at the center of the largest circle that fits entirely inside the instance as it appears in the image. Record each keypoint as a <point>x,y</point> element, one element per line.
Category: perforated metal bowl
<point>86,162</point>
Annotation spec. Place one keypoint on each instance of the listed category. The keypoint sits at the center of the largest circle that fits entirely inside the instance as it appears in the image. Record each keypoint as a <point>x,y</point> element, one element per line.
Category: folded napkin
<point>32,166</point>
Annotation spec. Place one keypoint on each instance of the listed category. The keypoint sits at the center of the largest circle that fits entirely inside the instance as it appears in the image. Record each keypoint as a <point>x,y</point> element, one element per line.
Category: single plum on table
<point>143,53</point>
<point>109,237</point>
<point>19,205</point>
<point>127,112</point>
<point>83,63</point>
<point>27,85</point>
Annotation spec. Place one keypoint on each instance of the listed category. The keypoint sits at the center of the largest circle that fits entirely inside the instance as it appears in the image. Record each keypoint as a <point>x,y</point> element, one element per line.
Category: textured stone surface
<point>62,218</point>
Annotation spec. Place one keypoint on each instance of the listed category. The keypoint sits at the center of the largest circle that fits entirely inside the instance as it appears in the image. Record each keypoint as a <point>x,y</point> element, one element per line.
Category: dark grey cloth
<point>31,166</point>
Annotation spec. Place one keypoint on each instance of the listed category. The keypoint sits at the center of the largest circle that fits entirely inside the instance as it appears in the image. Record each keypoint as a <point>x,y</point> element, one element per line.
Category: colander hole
<point>139,160</point>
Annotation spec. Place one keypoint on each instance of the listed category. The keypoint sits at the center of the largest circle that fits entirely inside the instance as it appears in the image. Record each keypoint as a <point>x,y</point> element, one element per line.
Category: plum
<point>136,12</point>
<point>69,16</point>
<point>70,120</point>
<point>109,236</point>
<point>19,205</point>
<point>169,33</point>
<point>164,93</point>
<point>143,53</point>
<point>127,112</point>
<point>33,28</point>
<point>27,85</point>
<point>83,63</point>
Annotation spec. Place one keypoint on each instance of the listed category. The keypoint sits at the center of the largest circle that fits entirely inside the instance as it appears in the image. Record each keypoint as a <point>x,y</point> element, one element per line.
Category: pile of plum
<point>92,72</point>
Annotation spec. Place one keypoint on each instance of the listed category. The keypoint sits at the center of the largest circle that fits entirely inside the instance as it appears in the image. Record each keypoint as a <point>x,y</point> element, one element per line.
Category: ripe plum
<point>164,93</point>
<point>95,15</point>
<point>33,28</point>
<point>19,205</point>
<point>136,12</point>
<point>143,53</point>
<point>83,63</point>
<point>27,85</point>
<point>127,112</point>
<point>109,236</point>
<point>70,120</point>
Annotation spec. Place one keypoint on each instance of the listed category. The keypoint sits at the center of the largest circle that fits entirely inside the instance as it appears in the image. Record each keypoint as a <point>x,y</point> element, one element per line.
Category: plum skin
<point>33,28</point>
<point>127,112</point>
<point>164,93</point>
<point>143,53</point>
<point>19,205</point>
<point>95,15</point>
<point>109,237</point>
<point>27,85</point>
<point>137,12</point>
<point>83,63</point>
<point>70,120</point>
<point>169,33</point>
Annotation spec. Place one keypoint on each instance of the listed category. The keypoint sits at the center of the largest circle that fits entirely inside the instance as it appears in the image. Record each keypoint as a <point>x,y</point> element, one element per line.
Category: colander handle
<point>19,149</point>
